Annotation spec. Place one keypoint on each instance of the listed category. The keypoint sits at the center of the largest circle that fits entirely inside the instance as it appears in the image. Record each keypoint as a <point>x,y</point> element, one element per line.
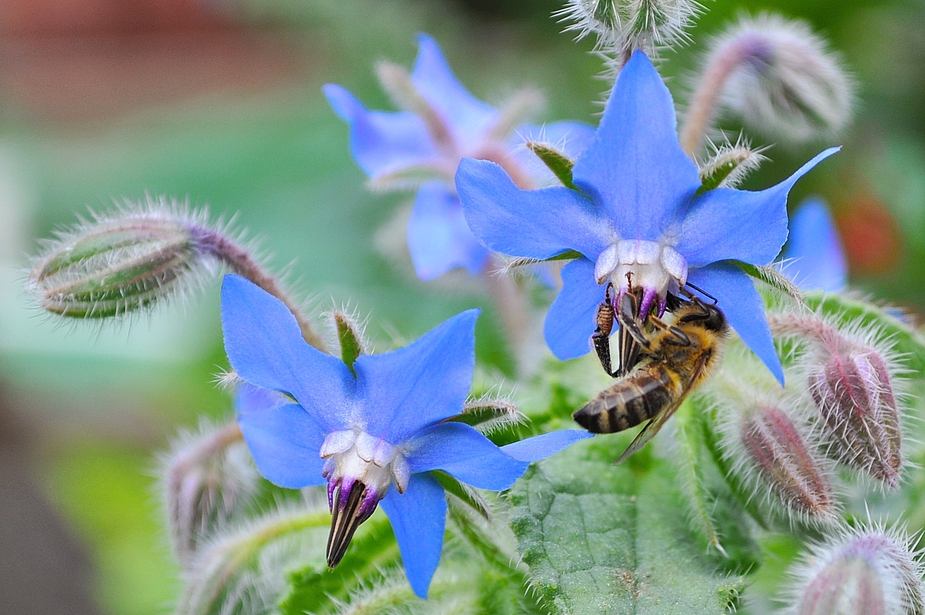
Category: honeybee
<point>673,358</point>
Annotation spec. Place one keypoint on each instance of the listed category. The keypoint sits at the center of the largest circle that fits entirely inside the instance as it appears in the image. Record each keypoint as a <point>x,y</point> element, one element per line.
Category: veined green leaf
<point>606,539</point>
<point>313,588</point>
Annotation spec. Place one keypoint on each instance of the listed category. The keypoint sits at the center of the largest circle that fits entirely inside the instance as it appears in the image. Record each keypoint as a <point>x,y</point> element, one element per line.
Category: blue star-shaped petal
<point>814,257</point>
<point>638,219</point>
<point>373,436</point>
<point>423,149</point>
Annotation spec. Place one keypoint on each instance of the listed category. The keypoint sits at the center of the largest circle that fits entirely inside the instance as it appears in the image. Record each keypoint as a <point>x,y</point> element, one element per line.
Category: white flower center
<point>651,265</point>
<point>355,455</point>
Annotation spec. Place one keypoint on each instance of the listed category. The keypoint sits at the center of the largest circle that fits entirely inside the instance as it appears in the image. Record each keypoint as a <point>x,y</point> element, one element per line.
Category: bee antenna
<point>702,292</point>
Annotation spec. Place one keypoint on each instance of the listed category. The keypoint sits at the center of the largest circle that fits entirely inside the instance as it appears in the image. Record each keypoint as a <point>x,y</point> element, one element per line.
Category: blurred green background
<point>219,103</point>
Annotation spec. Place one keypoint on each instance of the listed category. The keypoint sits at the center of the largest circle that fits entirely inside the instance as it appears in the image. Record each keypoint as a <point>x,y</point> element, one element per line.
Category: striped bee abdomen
<point>630,401</point>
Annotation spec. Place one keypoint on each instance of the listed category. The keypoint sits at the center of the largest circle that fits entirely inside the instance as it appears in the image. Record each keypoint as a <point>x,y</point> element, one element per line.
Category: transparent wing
<point>652,427</point>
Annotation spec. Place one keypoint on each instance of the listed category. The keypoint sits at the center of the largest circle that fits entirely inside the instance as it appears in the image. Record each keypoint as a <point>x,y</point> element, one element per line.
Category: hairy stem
<point>241,262</point>
<point>226,558</point>
<point>511,302</point>
<point>705,101</point>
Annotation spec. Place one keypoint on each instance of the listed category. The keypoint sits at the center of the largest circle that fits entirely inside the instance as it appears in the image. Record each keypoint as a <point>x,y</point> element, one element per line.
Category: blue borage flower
<point>814,258</point>
<point>638,211</point>
<point>373,431</point>
<point>423,146</point>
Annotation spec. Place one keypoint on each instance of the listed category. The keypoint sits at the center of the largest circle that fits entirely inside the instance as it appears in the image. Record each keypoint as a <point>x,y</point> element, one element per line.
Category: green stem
<point>225,560</point>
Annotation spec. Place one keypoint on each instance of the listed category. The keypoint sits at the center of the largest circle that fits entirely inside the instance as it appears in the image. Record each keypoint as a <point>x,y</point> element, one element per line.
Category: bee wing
<point>630,336</point>
<point>652,427</point>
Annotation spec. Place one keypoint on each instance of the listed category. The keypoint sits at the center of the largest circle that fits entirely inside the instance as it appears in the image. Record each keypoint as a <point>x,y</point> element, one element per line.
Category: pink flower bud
<point>863,572</point>
<point>854,394</point>
<point>777,449</point>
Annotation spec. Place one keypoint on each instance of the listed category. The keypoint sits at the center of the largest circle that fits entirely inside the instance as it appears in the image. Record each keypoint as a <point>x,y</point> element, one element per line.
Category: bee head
<point>701,314</point>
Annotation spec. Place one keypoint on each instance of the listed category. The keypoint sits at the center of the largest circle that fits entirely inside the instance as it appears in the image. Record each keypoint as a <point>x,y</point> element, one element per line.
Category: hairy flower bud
<point>777,76</point>
<point>775,447</point>
<point>786,82</point>
<point>851,377</point>
<point>116,264</point>
<point>854,394</point>
<point>861,572</point>
<point>624,26</point>
<point>207,477</point>
<point>139,256</point>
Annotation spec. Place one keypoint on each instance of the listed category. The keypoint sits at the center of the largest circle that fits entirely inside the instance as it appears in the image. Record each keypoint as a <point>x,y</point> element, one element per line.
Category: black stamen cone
<point>345,521</point>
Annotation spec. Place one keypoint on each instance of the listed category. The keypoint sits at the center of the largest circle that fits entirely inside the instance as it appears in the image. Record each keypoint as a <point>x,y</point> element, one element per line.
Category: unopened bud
<point>850,373</point>
<point>775,447</point>
<point>207,478</point>
<point>866,572</point>
<point>627,25</point>
<point>781,79</point>
<point>116,264</point>
<point>854,394</point>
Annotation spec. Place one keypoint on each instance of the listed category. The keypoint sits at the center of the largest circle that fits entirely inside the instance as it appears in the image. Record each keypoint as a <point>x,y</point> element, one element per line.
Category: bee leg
<point>680,337</point>
<point>600,339</point>
<point>601,343</point>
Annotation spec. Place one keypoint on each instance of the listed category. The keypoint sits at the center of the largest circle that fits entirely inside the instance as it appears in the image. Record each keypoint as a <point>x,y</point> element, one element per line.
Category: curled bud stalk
<point>623,26</point>
<point>853,386</point>
<point>207,477</point>
<point>777,76</point>
<point>138,256</point>
<point>863,571</point>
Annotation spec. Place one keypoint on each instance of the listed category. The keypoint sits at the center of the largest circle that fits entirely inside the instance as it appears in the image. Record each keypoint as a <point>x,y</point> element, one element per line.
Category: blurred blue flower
<point>373,431</point>
<point>814,257</point>
<point>422,146</point>
<point>638,219</point>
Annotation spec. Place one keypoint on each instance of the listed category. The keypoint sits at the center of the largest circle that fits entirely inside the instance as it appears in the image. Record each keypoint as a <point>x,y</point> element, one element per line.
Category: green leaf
<point>717,516</point>
<point>602,539</point>
<point>465,494</point>
<point>560,164</point>
<point>314,588</point>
